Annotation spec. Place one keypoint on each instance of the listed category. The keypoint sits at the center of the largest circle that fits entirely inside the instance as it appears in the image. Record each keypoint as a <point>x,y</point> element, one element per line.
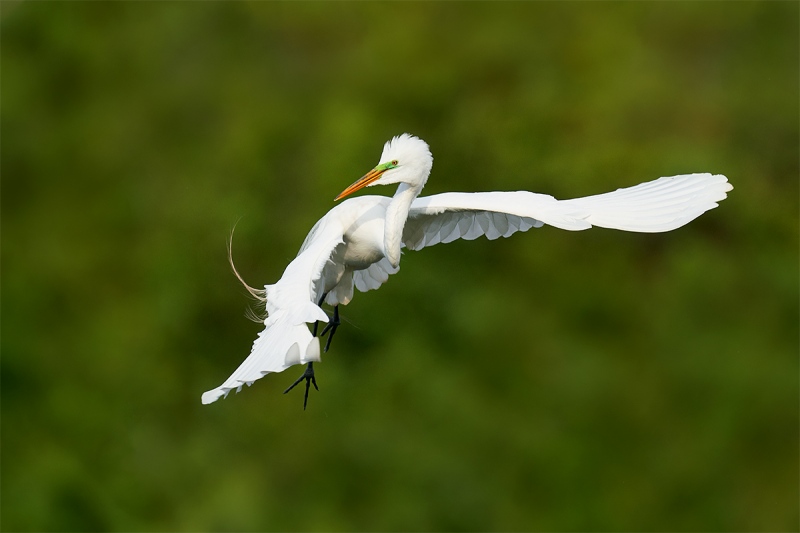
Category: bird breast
<point>364,239</point>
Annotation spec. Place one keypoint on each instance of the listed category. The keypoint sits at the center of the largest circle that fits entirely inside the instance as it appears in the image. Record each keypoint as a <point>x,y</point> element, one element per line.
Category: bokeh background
<point>553,381</point>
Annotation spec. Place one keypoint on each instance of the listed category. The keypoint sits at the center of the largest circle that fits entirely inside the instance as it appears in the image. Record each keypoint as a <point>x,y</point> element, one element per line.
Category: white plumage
<point>357,244</point>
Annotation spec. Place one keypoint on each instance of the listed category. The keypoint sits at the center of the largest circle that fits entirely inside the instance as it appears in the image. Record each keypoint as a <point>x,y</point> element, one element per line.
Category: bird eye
<point>394,162</point>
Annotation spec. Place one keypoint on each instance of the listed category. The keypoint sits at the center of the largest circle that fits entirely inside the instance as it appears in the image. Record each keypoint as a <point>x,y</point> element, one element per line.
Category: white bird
<point>358,243</point>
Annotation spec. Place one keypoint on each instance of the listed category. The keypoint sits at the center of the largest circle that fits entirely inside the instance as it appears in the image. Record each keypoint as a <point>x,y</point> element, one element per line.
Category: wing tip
<point>716,189</point>
<point>213,395</point>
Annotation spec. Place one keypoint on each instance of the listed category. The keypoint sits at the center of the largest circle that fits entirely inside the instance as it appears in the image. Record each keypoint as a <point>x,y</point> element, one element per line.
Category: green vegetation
<point>552,381</point>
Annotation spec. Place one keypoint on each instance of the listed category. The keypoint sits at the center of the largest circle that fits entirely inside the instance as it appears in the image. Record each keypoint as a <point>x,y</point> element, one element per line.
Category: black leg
<point>316,322</point>
<point>308,375</point>
<point>331,326</point>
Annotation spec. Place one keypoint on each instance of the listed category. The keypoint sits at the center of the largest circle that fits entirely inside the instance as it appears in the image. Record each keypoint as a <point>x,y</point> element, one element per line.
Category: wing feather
<point>291,303</point>
<point>500,224</point>
<point>449,227</point>
<point>374,276</point>
<point>464,224</point>
<point>660,205</point>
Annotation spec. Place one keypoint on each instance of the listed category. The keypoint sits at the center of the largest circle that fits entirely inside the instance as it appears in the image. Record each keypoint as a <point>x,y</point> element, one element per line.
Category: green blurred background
<point>553,381</point>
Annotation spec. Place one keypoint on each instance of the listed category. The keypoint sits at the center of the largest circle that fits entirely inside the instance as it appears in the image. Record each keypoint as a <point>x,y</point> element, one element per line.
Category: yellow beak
<point>368,178</point>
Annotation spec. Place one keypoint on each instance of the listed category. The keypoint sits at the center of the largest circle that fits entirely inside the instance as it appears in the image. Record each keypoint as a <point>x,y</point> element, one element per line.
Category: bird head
<point>405,159</point>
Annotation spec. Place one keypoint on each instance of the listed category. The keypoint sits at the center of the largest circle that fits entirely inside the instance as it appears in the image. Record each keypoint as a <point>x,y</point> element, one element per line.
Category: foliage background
<point>553,381</point>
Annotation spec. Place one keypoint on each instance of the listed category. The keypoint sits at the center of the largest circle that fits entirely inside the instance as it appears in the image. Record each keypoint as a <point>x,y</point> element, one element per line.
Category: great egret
<point>358,243</point>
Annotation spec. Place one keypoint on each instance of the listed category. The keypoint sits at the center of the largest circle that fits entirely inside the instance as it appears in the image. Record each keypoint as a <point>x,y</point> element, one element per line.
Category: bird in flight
<point>357,244</point>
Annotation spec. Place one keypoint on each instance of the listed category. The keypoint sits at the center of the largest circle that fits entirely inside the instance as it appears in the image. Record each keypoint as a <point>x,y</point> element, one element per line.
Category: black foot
<point>308,375</point>
<point>332,325</point>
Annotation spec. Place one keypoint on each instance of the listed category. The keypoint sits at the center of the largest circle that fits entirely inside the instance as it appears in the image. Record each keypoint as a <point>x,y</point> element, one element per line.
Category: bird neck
<point>396,215</point>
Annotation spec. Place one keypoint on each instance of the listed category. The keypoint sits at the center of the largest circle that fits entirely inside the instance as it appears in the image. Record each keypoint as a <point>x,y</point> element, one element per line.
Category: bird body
<point>358,243</point>
<point>362,221</point>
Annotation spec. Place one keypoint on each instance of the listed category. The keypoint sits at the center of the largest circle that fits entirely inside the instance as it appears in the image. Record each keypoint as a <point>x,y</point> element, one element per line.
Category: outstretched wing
<point>661,205</point>
<point>462,215</point>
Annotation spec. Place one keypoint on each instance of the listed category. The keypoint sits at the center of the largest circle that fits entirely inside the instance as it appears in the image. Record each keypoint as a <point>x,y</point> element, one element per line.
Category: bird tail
<point>281,344</point>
